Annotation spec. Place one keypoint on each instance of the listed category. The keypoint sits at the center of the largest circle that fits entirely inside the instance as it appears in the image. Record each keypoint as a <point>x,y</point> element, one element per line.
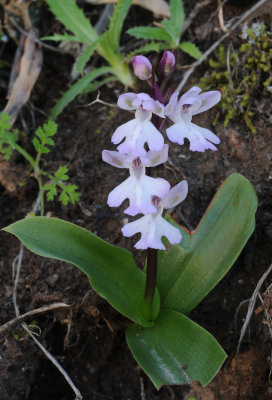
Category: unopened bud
<point>142,67</point>
<point>167,63</point>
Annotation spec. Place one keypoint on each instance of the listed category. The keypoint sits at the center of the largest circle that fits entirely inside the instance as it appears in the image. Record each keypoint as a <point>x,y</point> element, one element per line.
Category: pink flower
<point>138,188</point>
<point>153,227</point>
<point>181,111</point>
<point>140,130</point>
<point>142,67</point>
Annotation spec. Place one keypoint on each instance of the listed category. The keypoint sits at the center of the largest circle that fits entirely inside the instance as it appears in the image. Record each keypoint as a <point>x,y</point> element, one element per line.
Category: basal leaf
<point>73,18</point>
<point>116,22</point>
<point>175,350</point>
<point>148,48</point>
<point>189,271</point>
<point>146,32</point>
<point>76,89</point>
<point>61,38</point>
<point>85,56</point>
<point>97,84</point>
<point>191,49</point>
<point>177,15</point>
<point>111,270</point>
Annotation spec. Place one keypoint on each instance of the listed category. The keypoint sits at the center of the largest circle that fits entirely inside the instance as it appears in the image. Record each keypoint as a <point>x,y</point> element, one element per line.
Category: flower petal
<point>175,195</point>
<point>125,101</point>
<point>153,137</point>
<point>142,67</point>
<point>207,134</point>
<point>197,136</point>
<point>176,132</point>
<point>154,158</point>
<point>164,228</point>
<point>119,194</point>
<point>170,109</point>
<point>208,99</point>
<point>158,109</point>
<point>152,228</point>
<point>116,159</point>
<point>122,131</point>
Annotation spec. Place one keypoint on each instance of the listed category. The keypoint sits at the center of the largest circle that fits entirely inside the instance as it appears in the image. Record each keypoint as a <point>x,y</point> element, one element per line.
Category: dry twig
<point>218,42</point>
<point>97,100</point>
<point>251,307</point>
<point>39,310</point>
<point>221,17</point>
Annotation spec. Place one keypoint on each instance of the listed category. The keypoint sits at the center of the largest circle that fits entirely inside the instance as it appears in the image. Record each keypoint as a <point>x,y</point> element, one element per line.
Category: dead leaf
<point>25,71</point>
<point>8,177</point>
<point>158,7</point>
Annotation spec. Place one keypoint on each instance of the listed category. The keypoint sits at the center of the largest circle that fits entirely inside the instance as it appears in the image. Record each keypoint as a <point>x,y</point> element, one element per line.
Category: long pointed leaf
<point>189,271</point>
<point>146,32</point>
<point>175,350</point>
<point>116,23</point>
<point>76,89</point>
<point>111,270</point>
<point>175,24</point>
<point>73,18</point>
<point>84,57</point>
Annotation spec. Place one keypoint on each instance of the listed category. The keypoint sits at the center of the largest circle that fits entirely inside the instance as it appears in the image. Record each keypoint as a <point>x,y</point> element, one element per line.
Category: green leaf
<point>116,22</point>
<point>73,18</point>
<point>85,56</point>
<point>175,24</point>
<point>111,270</point>
<point>175,350</point>
<point>7,138</point>
<point>189,271</point>
<point>191,49</point>
<point>61,173</point>
<point>61,38</point>
<point>76,89</point>
<point>43,137</point>
<point>147,48</point>
<point>145,32</point>
<point>69,194</point>
<point>51,190</point>
<point>97,84</point>
<point>177,15</point>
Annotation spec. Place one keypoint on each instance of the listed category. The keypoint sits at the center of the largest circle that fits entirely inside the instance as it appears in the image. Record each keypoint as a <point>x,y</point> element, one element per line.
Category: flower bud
<point>167,63</point>
<point>142,67</point>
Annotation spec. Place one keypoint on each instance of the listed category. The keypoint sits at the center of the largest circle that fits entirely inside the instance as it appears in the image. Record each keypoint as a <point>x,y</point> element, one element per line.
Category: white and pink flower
<point>138,188</point>
<point>153,226</point>
<point>140,130</point>
<point>181,111</point>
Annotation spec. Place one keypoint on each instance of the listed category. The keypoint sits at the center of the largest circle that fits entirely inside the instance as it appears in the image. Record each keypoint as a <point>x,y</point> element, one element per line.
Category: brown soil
<point>88,339</point>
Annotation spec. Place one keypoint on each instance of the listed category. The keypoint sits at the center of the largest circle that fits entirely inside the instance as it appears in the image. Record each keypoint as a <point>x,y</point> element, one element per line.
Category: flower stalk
<point>141,146</point>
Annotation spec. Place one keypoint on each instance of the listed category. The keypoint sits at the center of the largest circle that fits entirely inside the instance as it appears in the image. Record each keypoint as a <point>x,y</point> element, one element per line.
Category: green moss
<point>241,74</point>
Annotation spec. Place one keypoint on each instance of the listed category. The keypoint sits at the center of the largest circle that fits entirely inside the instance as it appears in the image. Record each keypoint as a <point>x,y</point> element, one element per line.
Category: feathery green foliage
<point>42,141</point>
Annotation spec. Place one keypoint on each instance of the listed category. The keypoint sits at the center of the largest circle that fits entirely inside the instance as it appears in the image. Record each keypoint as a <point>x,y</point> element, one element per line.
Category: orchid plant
<point>181,267</point>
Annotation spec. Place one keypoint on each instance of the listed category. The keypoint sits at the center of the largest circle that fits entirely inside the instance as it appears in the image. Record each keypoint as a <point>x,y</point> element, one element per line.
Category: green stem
<point>37,172</point>
<point>24,154</point>
<point>151,277</point>
<point>41,194</point>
